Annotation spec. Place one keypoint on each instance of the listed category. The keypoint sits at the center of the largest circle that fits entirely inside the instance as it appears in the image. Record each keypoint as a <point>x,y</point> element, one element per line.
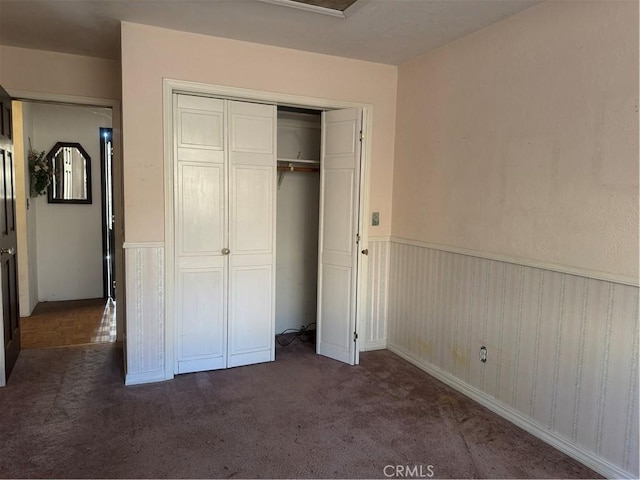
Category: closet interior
<point>297,221</point>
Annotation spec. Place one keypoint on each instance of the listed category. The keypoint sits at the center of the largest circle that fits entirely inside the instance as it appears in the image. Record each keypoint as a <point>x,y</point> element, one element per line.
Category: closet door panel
<point>251,303</point>
<point>200,121</point>
<point>343,134</point>
<point>338,232</point>
<point>339,222</point>
<point>200,129</point>
<point>251,134</point>
<point>200,156</point>
<point>252,159</point>
<point>202,331</point>
<point>252,210</point>
<point>201,228</point>
<point>336,292</point>
<point>225,198</point>
<point>201,209</point>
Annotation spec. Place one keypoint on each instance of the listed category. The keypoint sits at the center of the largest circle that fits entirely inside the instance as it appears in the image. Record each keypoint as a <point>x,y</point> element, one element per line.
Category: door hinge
<point>355,336</point>
<point>357,238</point>
<point>361,135</point>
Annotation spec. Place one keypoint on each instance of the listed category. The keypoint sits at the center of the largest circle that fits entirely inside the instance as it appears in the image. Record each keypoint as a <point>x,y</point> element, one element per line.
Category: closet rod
<point>291,168</point>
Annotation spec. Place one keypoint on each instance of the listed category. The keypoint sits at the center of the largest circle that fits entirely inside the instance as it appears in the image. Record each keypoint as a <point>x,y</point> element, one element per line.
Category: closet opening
<point>264,227</point>
<point>297,225</point>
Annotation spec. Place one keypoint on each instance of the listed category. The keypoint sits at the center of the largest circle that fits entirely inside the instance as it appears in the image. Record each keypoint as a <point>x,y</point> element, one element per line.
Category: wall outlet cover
<point>375,219</point>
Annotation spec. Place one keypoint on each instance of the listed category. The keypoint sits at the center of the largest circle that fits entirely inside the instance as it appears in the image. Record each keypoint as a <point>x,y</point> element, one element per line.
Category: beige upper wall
<point>58,73</point>
<point>150,54</point>
<point>522,139</point>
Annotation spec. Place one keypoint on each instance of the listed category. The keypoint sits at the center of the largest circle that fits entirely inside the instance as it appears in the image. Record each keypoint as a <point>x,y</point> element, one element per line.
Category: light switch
<point>375,219</point>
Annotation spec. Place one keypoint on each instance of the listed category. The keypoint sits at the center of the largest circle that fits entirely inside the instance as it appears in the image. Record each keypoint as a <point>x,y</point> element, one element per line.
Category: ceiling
<point>384,31</point>
<point>340,5</point>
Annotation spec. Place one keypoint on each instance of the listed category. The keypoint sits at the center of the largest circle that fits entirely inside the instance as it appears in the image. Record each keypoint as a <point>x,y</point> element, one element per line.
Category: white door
<point>252,190</point>
<point>339,227</point>
<point>224,206</point>
<point>200,234</point>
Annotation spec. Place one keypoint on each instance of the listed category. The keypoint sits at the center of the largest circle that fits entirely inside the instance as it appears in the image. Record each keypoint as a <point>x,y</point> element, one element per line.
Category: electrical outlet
<point>483,354</point>
<point>375,219</point>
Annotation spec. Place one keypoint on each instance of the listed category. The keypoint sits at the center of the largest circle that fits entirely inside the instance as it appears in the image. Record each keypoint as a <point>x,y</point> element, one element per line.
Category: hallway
<point>74,322</point>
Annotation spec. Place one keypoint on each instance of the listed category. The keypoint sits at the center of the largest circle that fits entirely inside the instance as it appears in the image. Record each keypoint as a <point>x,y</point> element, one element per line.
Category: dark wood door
<point>8,243</point>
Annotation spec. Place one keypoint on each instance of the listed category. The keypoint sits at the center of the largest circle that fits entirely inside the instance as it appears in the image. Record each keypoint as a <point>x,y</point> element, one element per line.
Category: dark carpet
<point>67,414</point>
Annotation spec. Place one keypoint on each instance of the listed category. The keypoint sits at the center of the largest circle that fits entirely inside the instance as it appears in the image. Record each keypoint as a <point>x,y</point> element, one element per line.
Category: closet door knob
<point>365,251</point>
<point>226,251</point>
<point>9,251</point>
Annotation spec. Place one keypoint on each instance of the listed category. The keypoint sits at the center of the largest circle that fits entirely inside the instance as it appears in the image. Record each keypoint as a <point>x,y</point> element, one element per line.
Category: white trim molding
<point>375,345</point>
<point>171,87</point>
<point>145,356</point>
<point>562,348</point>
<point>598,464</point>
<point>581,272</point>
<point>377,287</point>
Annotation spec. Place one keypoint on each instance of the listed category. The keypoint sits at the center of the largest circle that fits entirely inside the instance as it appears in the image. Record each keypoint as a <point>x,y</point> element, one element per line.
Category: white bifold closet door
<point>252,199</point>
<point>339,229</point>
<point>225,171</point>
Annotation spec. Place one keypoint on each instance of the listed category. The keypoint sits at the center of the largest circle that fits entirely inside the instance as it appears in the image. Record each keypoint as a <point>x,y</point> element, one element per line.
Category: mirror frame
<point>84,153</point>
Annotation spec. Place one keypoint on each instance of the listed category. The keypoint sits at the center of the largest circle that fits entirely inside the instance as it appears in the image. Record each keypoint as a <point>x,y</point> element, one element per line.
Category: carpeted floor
<point>67,414</point>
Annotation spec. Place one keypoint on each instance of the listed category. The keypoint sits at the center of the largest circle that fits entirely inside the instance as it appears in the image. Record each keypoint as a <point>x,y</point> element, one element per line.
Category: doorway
<point>297,225</point>
<point>28,297</point>
<point>61,240</point>
<point>324,240</point>
<point>347,235</point>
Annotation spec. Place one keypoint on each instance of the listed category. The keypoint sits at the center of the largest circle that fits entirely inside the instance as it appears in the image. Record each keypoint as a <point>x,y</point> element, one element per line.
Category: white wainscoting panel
<point>145,329</point>
<point>377,299</point>
<point>562,349</point>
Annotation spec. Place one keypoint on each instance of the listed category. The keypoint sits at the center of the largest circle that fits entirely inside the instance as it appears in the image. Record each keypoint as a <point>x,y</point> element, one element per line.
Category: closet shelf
<point>291,168</point>
<point>298,160</point>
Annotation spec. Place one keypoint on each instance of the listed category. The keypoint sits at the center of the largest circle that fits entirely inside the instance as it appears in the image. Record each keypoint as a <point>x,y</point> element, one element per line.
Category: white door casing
<point>224,235</point>
<point>172,87</point>
<point>339,229</point>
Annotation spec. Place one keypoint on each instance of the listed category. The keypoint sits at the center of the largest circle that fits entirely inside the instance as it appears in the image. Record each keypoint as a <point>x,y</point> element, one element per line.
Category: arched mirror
<point>71,180</point>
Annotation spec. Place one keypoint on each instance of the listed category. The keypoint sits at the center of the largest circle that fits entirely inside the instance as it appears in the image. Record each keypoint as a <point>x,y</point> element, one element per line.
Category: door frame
<point>171,87</point>
<point>118,198</point>
<point>108,244</point>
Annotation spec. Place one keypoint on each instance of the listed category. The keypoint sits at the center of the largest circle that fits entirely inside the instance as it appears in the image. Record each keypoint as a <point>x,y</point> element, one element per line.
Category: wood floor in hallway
<point>74,322</point>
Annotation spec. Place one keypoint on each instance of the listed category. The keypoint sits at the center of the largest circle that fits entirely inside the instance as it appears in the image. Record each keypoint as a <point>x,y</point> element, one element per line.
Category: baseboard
<point>585,457</point>
<point>147,377</point>
<point>375,345</point>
